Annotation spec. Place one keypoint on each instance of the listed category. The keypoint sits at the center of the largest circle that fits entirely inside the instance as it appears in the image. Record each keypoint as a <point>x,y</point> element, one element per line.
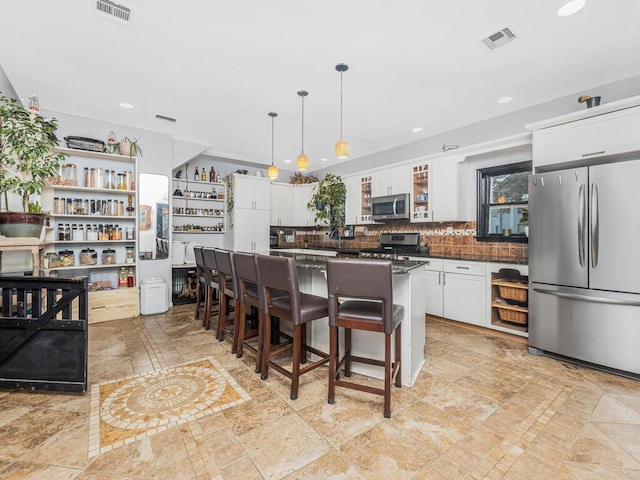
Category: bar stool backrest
<point>363,280</point>
<point>226,271</point>
<point>278,274</point>
<point>246,272</point>
<point>209,258</point>
<point>200,267</point>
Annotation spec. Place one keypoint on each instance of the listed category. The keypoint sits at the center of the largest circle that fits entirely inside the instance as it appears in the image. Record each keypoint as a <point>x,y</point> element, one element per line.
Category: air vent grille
<point>114,10</point>
<point>499,38</point>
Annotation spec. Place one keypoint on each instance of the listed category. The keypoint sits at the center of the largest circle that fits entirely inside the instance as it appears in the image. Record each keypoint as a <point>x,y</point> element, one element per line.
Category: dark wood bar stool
<point>212,285</point>
<point>247,290</point>
<point>361,298</point>
<point>279,292</point>
<point>228,297</point>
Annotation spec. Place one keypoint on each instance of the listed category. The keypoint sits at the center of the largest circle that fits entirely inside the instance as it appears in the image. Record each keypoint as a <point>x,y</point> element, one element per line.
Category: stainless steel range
<point>393,245</point>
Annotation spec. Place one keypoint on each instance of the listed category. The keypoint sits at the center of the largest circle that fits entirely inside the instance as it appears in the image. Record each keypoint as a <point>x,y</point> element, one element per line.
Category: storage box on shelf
<point>198,207</point>
<point>93,229</point>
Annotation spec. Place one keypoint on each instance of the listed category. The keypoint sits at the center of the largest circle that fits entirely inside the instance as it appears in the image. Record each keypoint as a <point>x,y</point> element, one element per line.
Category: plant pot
<point>319,206</point>
<point>19,224</point>
<point>125,148</point>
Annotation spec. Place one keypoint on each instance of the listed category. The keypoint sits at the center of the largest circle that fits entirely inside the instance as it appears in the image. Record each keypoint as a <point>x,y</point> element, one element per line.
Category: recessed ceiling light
<point>417,129</point>
<point>324,159</point>
<point>287,161</point>
<point>126,105</point>
<point>505,99</point>
<point>569,8</point>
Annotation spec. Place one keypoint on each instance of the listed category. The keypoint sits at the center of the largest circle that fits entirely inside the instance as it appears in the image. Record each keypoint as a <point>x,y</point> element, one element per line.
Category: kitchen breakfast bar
<point>408,286</point>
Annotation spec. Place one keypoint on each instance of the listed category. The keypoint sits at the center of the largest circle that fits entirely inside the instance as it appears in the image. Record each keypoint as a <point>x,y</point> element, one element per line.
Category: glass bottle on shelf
<point>203,175</point>
<point>196,175</point>
<point>130,278</point>
<point>122,277</point>
<point>129,258</point>
<point>212,175</point>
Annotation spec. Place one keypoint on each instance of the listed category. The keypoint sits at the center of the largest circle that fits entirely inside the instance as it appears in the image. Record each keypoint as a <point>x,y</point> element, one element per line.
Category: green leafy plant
<point>35,207</point>
<point>134,149</point>
<point>27,157</point>
<point>328,200</point>
<point>298,178</point>
<point>524,216</point>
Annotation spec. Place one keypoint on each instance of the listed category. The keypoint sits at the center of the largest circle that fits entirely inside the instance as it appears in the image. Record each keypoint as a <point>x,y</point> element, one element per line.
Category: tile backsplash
<point>456,239</point>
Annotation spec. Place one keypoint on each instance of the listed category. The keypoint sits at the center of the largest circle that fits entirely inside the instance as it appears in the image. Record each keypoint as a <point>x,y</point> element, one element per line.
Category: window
<point>503,202</point>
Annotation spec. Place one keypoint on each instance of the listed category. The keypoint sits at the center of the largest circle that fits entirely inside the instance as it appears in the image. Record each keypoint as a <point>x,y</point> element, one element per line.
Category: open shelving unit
<point>201,207</point>
<point>509,302</point>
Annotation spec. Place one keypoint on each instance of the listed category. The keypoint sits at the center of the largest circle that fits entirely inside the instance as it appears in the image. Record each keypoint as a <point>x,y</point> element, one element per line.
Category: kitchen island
<point>408,280</point>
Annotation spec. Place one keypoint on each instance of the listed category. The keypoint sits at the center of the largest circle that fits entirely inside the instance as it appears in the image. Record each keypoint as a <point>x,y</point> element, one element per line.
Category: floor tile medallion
<point>135,407</point>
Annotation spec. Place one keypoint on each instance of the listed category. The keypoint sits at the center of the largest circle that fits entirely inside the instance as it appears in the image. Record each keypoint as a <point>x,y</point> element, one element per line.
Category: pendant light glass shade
<point>302,162</point>
<point>272,171</point>
<point>342,147</point>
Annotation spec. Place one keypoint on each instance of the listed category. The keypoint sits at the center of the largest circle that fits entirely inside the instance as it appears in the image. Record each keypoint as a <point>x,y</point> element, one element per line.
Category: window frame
<point>483,203</point>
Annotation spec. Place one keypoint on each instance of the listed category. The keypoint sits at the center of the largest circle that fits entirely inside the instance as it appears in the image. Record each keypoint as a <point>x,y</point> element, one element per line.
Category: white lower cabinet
<point>465,296</point>
<point>456,290</point>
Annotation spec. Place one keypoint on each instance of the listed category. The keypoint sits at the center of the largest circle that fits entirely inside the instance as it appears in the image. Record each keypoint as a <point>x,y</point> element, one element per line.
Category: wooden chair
<point>202,291</point>
<point>361,298</point>
<point>279,293</point>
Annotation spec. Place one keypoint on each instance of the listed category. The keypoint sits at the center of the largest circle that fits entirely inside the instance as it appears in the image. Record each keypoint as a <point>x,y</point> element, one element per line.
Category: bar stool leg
<point>347,352</point>
<point>398,336</point>
<point>239,328</point>
<point>222,316</point>
<point>266,347</point>
<point>387,375</point>
<point>208,306</point>
<point>334,358</point>
<point>236,308</point>
<point>297,352</point>
<point>260,353</point>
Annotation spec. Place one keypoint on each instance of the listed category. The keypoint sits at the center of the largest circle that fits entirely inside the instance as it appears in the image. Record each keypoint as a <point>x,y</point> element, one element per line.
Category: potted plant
<point>27,160</point>
<point>129,147</point>
<point>327,202</point>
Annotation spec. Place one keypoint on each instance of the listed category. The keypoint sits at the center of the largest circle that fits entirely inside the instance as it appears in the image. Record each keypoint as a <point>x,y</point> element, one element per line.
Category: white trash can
<point>153,296</point>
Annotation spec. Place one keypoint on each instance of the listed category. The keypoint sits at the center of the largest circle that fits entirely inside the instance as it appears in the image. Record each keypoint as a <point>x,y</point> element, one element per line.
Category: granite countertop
<point>469,258</point>
<point>319,262</point>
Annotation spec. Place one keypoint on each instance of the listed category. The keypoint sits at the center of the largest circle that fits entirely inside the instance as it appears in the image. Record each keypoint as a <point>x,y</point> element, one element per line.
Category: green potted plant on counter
<point>27,160</point>
<point>327,202</point>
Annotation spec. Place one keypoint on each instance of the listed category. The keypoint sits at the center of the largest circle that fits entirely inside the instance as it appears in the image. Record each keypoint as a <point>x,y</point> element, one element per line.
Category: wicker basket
<point>512,290</point>
<point>512,313</point>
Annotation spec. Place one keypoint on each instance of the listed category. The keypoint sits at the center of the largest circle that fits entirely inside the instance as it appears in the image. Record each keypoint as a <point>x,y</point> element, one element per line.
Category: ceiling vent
<point>498,39</point>
<point>113,10</point>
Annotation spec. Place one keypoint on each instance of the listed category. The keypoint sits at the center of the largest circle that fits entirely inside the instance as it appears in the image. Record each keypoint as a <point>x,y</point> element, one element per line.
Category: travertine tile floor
<point>481,408</point>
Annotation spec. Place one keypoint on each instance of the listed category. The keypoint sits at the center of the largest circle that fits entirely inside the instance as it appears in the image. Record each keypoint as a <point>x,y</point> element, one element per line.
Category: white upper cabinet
<point>444,187</point>
<point>289,204</point>
<point>352,206</point>
<point>391,181</point>
<point>281,203</point>
<point>434,189</point>
<point>585,139</point>
<point>302,215</point>
<point>251,192</point>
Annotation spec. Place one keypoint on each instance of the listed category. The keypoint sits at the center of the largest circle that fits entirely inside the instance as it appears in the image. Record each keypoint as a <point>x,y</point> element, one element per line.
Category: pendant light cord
<point>272,136</point>
<point>302,124</point>
<point>340,105</point>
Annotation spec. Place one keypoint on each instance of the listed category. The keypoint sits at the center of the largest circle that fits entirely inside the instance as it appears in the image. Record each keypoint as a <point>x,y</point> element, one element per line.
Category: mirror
<point>153,217</point>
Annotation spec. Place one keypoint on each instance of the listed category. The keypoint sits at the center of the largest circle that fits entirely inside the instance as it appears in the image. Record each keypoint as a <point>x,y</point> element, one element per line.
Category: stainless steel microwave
<point>390,207</point>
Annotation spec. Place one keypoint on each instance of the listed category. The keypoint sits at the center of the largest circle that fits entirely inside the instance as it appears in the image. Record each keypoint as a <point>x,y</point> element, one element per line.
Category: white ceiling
<point>220,67</point>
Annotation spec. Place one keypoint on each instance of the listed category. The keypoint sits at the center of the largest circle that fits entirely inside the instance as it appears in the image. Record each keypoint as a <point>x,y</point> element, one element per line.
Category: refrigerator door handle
<point>595,225</point>
<point>586,298</point>
<point>582,221</point>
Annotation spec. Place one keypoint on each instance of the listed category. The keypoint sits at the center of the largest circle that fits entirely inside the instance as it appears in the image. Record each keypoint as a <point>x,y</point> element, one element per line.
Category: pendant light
<point>302,162</point>
<point>342,147</point>
<point>272,171</point>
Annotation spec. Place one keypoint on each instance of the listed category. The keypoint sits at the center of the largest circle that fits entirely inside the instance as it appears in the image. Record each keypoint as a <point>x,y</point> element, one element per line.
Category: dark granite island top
<point>319,262</point>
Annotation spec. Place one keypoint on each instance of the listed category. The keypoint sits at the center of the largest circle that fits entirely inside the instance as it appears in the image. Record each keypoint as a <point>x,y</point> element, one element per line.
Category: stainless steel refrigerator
<point>584,264</point>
